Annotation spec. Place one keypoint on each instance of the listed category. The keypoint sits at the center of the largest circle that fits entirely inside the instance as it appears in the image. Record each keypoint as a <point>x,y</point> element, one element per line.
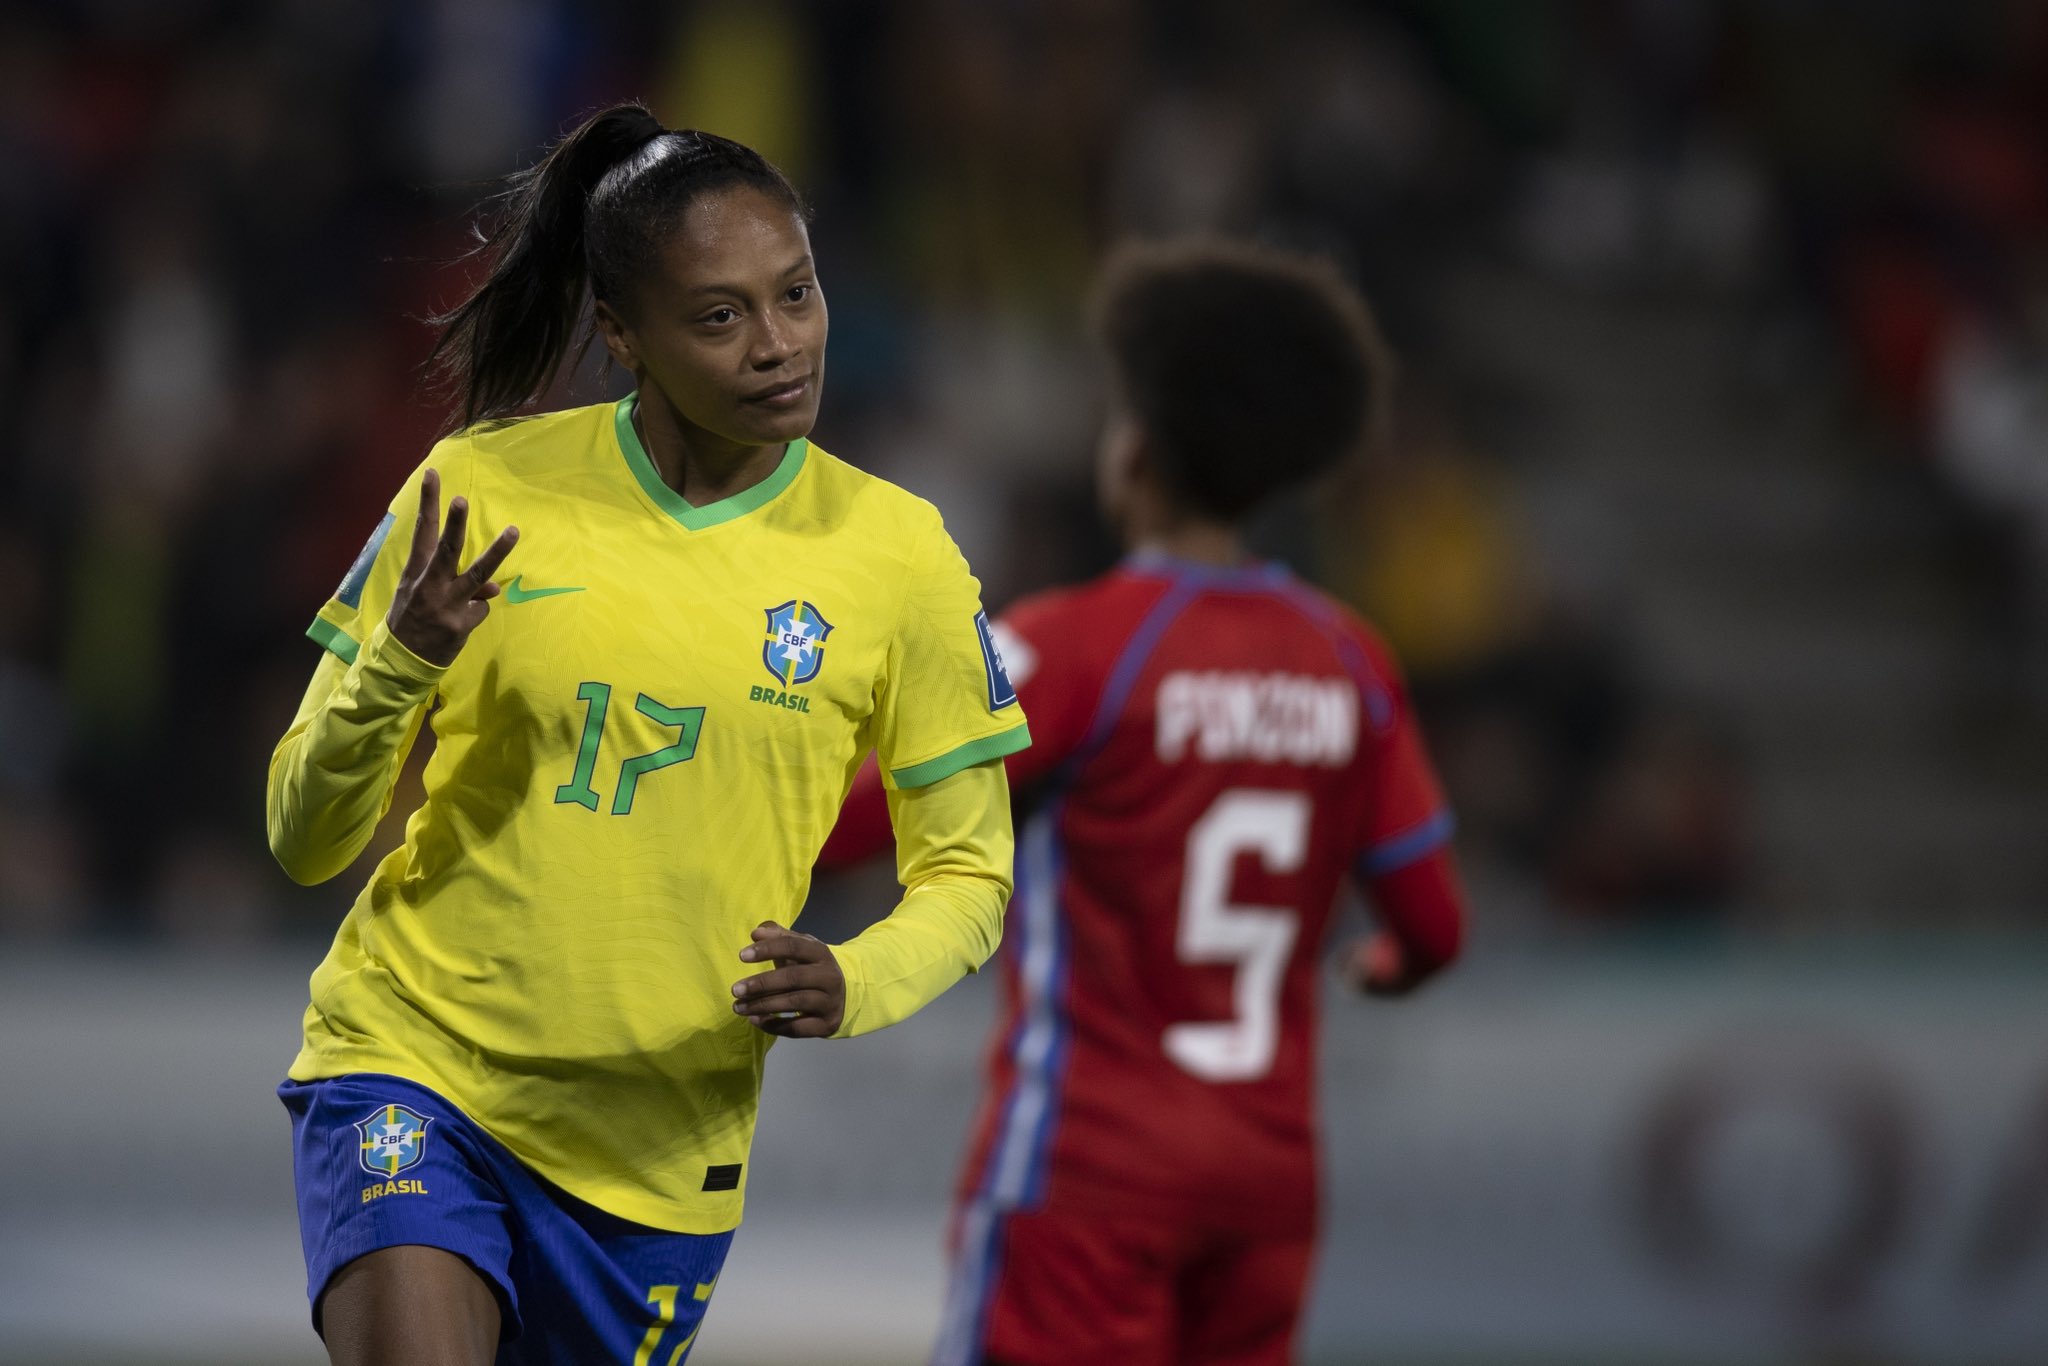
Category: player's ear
<point>1140,459</point>
<point>1116,447</point>
<point>617,338</point>
<point>1143,458</point>
<point>1119,460</point>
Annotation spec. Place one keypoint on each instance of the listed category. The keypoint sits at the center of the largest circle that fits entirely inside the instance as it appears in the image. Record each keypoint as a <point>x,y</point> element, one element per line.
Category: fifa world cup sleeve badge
<point>1000,692</point>
<point>350,593</point>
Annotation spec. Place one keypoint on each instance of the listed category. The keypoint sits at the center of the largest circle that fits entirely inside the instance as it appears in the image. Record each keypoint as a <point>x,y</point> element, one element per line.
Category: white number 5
<point>1257,939</point>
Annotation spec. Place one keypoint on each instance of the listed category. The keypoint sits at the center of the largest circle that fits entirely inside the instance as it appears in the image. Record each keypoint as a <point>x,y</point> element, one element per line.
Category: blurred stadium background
<point>1713,528</point>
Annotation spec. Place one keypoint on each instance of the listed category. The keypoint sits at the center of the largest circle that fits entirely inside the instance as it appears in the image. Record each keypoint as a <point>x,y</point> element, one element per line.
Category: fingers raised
<point>448,553</point>
<point>434,608</point>
<point>477,578</point>
<point>426,526</point>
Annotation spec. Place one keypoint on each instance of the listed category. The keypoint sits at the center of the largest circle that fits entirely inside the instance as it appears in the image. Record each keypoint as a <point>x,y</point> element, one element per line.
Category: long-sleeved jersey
<point>640,751</point>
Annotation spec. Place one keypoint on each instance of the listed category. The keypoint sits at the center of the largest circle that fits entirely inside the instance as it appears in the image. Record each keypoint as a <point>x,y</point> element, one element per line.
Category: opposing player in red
<point>1217,747</point>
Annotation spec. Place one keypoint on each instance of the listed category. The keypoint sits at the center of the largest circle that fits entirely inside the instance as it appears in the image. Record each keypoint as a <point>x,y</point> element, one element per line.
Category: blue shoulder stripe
<point>1411,844</point>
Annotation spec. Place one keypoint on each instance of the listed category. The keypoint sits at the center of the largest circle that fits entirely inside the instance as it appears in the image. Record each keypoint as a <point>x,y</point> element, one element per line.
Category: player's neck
<point>701,468</point>
<point>1198,542</point>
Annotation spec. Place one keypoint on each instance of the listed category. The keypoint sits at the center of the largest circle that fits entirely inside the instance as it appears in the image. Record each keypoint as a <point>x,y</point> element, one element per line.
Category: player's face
<point>732,326</point>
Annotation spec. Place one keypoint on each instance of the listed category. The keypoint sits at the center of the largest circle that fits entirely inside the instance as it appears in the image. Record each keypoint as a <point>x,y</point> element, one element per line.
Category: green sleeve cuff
<point>387,652</point>
<point>966,756</point>
<point>333,638</point>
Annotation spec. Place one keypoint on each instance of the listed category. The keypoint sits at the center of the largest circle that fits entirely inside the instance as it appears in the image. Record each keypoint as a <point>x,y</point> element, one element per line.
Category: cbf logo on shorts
<point>393,1138</point>
<point>795,648</point>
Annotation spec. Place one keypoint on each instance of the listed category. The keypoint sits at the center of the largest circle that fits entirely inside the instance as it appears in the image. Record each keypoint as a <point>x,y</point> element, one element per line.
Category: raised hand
<point>803,998</point>
<point>436,607</point>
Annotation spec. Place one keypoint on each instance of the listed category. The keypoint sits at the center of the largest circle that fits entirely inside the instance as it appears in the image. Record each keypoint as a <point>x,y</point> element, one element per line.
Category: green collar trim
<point>671,502</point>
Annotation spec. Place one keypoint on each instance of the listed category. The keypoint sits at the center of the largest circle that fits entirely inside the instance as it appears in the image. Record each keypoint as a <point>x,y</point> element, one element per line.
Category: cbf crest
<point>393,1139</point>
<point>795,648</point>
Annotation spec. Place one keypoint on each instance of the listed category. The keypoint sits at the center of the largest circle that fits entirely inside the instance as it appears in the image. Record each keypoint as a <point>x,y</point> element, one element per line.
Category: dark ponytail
<point>585,221</point>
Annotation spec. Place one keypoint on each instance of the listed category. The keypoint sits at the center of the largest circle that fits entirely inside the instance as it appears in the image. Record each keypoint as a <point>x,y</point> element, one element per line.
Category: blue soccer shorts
<point>380,1162</point>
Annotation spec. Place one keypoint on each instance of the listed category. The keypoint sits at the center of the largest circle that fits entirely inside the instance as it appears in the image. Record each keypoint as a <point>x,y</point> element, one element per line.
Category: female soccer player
<point>523,1106</point>
<point>1218,747</point>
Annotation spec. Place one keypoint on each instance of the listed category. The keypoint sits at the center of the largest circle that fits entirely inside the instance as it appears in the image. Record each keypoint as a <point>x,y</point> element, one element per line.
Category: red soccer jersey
<point>1213,752</point>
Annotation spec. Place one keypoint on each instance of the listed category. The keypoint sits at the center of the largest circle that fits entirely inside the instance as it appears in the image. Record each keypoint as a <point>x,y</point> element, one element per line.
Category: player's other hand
<point>804,997</point>
<point>1377,966</point>
<point>437,606</point>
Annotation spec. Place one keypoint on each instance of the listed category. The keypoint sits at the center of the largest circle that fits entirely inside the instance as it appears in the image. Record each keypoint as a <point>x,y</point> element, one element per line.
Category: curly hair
<point>1249,369</point>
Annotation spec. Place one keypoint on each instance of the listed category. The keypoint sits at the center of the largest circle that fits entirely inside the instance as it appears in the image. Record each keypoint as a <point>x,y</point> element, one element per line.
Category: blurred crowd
<point>221,223</point>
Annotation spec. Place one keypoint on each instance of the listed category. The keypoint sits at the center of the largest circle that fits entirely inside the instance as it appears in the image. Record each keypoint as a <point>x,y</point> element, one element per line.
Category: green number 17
<point>597,700</point>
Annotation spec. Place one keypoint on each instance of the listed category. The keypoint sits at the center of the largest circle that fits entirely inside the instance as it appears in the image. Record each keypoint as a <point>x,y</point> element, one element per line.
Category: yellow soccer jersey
<point>640,751</point>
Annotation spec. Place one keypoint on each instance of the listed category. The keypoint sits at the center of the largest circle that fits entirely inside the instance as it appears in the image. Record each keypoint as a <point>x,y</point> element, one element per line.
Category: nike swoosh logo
<point>514,593</point>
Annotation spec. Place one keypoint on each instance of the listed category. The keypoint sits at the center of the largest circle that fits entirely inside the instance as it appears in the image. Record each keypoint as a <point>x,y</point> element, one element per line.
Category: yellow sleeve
<point>944,703</point>
<point>953,853</point>
<point>332,775</point>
